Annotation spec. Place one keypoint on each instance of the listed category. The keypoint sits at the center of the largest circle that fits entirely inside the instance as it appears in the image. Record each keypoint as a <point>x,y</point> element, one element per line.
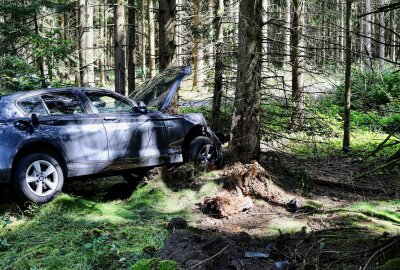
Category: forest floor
<point>106,223</point>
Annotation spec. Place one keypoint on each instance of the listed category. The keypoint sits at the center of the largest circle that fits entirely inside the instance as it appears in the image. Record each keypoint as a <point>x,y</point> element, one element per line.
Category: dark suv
<point>52,134</point>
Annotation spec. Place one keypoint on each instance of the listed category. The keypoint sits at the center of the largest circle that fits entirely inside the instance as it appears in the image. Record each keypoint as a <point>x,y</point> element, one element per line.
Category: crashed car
<point>49,135</point>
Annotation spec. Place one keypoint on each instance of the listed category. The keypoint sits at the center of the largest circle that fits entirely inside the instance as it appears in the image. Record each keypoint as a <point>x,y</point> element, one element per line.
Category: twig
<point>206,260</point>
<point>379,251</point>
<point>377,169</point>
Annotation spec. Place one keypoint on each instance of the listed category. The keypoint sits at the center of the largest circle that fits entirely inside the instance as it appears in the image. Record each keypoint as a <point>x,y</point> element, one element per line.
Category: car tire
<point>203,150</point>
<point>38,178</point>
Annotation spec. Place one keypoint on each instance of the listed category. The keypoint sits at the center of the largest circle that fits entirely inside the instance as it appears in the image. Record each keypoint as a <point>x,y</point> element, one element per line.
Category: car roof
<point>21,94</point>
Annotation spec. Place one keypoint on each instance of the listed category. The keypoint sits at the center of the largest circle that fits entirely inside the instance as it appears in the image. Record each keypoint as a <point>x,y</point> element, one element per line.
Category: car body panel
<point>93,140</point>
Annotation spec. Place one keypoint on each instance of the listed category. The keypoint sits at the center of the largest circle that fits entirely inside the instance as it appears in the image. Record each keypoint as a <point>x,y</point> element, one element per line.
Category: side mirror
<point>142,107</point>
<point>34,120</point>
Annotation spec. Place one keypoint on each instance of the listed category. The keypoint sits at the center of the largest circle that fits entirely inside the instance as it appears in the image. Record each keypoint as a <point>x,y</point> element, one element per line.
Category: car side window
<point>32,105</point>
<point>106,103</point>
<point>63,103</point>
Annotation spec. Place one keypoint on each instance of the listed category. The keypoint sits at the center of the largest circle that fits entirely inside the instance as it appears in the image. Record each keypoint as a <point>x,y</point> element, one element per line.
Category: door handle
<point>111,118</point>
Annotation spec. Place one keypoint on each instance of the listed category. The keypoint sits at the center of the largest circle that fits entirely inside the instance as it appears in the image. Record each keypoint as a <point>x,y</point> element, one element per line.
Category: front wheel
<point>202,150</point>
<point>38,178</point>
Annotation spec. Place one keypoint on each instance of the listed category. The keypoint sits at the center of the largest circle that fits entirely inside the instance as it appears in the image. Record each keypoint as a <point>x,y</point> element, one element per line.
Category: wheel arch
<point>195,131</point>
<point>41,147</point>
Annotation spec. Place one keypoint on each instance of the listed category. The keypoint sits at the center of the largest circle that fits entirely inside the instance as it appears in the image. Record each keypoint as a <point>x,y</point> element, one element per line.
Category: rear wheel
<point>202,150</point>
<point>38,178</point>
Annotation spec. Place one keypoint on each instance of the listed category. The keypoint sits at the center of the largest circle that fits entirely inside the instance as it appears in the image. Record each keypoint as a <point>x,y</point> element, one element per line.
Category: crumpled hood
<point>159,91</point>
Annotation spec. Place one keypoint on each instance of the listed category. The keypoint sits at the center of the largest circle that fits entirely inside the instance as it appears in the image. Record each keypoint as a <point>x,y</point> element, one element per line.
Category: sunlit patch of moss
<point>155,264</point>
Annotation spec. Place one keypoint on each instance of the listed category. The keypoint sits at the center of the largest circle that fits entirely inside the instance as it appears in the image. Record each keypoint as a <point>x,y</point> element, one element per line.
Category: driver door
<point>133,138</point>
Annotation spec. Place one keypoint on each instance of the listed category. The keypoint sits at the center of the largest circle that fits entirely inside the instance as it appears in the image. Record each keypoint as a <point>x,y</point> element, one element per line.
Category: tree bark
<point>131,47</point>
<point>218,84</point>
<point>382,38</point>
<point>297,59</point>
<point>82,42</point>
<point>264,65</point>
<point>143,40</point>
<point>152,40</point>
<point>198,73</point>
<point>103,42</point>
<point>119,37</point>
<point>89,45</point>
<point>167,42</point>
<point>368,35</point>
<point>211,13</point>
<point>347,88</point>
<point>286,59</point>
<point>245,143</point>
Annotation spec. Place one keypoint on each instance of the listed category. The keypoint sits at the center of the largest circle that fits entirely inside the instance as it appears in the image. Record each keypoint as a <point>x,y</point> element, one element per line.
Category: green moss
<point>155,264</point>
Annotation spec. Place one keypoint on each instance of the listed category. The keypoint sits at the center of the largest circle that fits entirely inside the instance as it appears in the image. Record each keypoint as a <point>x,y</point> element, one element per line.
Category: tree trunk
<point>198,75</point>
<point>245,143</point>
<point>210,53</point>
<point>77,45</point>
<point>347,87</point>
<point>264,65</point>
<point>103,42</point>
<point>286,59</point>
<point>152,39</point>
<point>89,45</point>
<point>297,59</point>
<point>218,85</point>
<point>119,37</point>
<point>382,38</point>
<point>368,35</point>
<point>82,42</point>
<point>167,41</point>
<point>342,24</point>
<point>39,60</point>
<point>131,46</point>
<point>143,41</point>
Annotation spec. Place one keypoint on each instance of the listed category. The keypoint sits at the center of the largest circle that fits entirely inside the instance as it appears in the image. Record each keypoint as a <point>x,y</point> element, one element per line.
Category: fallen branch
<point>206,260</point>
<point>379,251</point>
<point>377,169</point>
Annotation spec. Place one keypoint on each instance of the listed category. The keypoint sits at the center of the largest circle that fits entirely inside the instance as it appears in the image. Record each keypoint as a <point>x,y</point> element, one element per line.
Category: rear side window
<point>63,103</point>
<point>32,105</point>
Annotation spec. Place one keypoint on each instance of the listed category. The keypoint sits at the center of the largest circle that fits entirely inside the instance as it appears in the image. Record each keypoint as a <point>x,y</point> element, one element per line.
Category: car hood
<point>159,91</point>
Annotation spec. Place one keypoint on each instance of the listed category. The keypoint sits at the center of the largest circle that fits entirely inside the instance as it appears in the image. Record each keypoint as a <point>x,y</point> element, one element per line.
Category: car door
<point>79,133</point>
<point>134,139</point>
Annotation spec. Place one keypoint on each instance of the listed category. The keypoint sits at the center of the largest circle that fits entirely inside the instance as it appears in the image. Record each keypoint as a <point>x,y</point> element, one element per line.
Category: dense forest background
<point>309,89</point>
<point>289,66</point>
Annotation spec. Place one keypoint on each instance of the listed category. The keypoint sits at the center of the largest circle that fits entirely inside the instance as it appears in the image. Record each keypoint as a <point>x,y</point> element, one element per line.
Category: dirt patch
<point>242,184</point>
<point>340,248</point>
<point>202,250</point>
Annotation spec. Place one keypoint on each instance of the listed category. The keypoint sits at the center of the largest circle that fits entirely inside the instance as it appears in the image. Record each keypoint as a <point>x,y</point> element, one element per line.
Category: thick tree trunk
<point>131,46</point>
<point>347,87</point>
<point>119,37</point>
<point>152,38</point>
<point>245,143</point>
<point>143,40</point>
<point>77,45</point>
<point>89,45</point>
<point>167,41</point>
<point>297,59</point>
<point>218,85</point>
<point>198,74</point>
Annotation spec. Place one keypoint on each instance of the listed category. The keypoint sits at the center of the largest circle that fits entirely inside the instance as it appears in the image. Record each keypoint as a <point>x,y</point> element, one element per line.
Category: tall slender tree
<point>89,44</point>
<point>347,77</point>
<point>218,80</point>
<point>151,38</point>
<point>198,54</point>
<point>131,46</point>
<point>119,53</point>
<point>382,38</point>
<point>368,35</point>
<point>245,139</point>
<point>297,60</point>
<point>143,39</point>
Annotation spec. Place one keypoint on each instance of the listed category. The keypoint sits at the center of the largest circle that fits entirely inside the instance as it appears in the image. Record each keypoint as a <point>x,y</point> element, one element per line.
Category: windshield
<point>158,91</point>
